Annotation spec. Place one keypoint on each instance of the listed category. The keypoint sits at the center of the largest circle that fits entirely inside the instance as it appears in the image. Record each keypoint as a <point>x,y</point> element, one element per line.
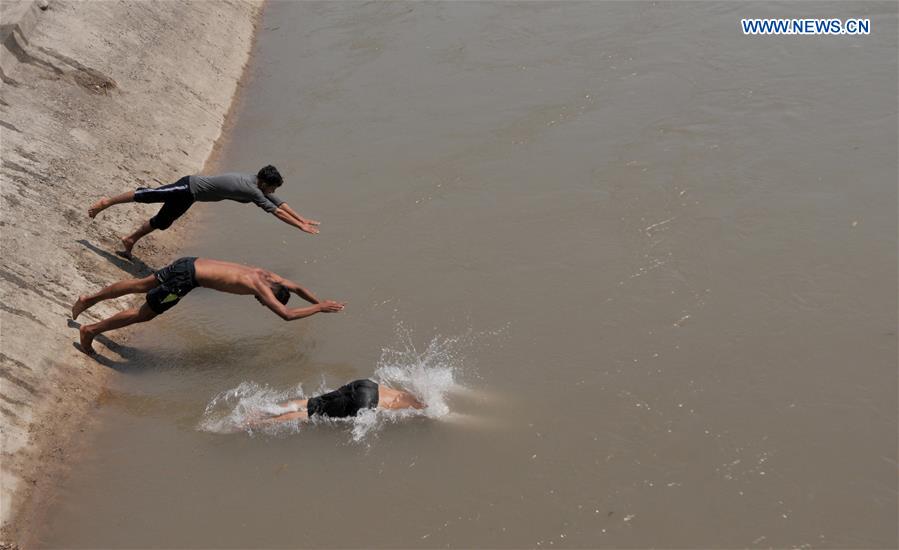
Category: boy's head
<point>269,179</point>
<point>281,293</point>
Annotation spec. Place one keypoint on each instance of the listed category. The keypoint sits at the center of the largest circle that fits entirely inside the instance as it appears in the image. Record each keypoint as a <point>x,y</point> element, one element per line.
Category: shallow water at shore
<point>676,247</point>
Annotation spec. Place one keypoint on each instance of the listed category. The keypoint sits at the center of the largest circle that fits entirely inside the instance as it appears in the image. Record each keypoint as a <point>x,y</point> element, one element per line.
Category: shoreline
<point>98,98</point>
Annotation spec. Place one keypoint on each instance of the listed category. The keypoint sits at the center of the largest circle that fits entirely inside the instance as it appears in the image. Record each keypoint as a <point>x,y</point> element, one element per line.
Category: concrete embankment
<point>97,98</point>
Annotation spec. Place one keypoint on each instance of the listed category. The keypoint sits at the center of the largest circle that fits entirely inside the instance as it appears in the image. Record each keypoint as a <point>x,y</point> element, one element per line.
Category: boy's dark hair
<point>281,293</point>
<point>269,175</point>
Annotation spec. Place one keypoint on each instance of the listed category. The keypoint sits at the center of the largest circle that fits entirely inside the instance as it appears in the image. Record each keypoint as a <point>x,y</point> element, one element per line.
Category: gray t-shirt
<point>233,186</point>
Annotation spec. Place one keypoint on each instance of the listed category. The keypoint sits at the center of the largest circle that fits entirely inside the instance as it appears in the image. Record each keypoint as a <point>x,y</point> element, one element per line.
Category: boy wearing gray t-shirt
<point>177,197</point>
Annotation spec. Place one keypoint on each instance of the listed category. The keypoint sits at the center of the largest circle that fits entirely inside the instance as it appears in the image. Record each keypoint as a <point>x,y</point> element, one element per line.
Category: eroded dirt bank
<point>97,98</point>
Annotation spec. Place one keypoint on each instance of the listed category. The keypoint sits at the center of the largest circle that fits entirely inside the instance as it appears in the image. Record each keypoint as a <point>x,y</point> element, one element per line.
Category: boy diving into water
<point>345,401</point>
<point>166,287</point>
<point>177,197</point>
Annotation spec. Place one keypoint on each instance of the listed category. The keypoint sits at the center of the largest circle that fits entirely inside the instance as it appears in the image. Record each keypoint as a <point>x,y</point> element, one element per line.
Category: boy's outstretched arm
<point>266,296</point>
<point>302,292</point>
<point>297,289</point>
<point>282,214</point>
<point>297,216</point>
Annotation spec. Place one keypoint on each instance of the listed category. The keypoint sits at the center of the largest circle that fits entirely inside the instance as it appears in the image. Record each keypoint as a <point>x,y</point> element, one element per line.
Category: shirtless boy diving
<point>177,197</point>
<point>166,287</point>
<point>345,401</point>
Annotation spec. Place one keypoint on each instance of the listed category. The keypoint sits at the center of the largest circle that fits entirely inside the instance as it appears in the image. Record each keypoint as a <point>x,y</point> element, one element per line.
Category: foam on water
<point>229,411</point>
<point>430,375</point>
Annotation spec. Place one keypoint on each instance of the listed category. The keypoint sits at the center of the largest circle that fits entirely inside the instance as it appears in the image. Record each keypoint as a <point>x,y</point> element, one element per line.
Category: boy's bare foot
<point>98,207</point>
<point>127,244</point>
<point>87,340</point>
<point>79,306</point>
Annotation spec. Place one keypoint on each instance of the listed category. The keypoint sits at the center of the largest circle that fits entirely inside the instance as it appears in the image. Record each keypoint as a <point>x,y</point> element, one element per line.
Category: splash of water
<point>429,374</point>
<point>230,410</point>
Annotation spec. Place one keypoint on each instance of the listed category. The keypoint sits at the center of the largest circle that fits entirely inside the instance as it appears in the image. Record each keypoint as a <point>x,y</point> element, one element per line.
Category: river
<point>642,267</point>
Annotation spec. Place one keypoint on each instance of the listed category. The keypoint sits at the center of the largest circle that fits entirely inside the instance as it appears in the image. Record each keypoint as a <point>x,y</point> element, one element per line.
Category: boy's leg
<point>128,286</point>
<point>257,418</point>
<point>299,415</point>
<point>106,202</point>
<point>128,242</point>
<point>143,194</point>
<point>119,320</point>
<point>176,199</point>
<point>295,403</point>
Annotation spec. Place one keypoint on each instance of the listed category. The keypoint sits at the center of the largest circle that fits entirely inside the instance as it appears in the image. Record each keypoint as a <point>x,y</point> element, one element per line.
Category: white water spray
<point>430,375</point>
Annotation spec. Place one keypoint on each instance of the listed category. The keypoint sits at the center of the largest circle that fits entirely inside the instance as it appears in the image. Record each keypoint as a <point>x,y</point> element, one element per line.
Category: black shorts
<point>176,198</point>
<point>175,281</point>
<point>346,400</point>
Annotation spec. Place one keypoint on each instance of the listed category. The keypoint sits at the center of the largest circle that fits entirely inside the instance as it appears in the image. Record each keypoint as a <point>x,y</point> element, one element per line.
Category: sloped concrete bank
<point>97,98</point>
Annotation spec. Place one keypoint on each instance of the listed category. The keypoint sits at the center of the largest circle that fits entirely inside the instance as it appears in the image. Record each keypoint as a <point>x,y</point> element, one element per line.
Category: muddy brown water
<point>658,260</point>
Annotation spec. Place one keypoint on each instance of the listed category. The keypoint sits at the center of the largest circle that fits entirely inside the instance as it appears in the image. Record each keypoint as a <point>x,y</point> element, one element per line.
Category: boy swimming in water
<point>177,197</point>
<point>166,287</point>
<point>343,402</point>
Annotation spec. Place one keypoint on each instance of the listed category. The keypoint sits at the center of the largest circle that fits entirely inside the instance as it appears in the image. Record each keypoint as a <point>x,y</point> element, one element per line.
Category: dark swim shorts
<point>175,281</point>
<point>346,400</point>
<point>176,198</point>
